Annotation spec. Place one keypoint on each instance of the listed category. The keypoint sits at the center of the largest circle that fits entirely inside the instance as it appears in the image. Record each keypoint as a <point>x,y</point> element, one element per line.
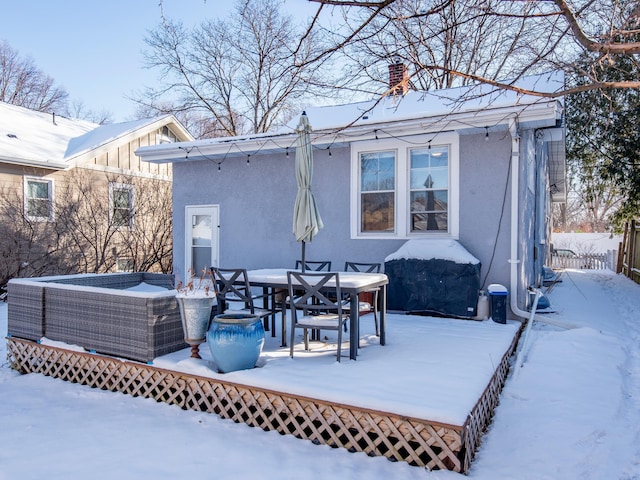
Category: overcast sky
<point>93,48</point>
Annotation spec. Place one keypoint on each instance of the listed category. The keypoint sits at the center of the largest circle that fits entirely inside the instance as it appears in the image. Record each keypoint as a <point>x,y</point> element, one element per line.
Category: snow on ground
<point>571,412</point>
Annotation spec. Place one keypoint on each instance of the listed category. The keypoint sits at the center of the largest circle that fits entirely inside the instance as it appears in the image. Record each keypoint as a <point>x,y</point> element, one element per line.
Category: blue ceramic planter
<point>235,341</point>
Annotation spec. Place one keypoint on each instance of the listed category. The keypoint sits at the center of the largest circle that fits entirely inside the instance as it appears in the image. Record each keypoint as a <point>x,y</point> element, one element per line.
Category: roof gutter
<point>33,163</point>
<point>338,136</point>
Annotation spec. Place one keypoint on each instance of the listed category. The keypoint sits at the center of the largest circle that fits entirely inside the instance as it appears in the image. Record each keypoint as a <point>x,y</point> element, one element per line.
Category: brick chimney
<point>398,78</point>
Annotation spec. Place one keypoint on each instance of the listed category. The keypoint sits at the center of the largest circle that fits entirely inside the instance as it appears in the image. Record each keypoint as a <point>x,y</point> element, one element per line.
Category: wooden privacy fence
<point>629,260</point>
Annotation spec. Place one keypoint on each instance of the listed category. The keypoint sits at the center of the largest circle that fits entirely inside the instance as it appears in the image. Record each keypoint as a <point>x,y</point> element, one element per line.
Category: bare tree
<point>454,37</point>
<point>240,75</point>
<point>78,109</point>
<point>25,85</point>
<point>198,123</point>
<point>588,208</point>
<point>149,243</point>
<point>83,235</point>
<point>99,237</point>
<point>28,247</point>
<point>534,34</point>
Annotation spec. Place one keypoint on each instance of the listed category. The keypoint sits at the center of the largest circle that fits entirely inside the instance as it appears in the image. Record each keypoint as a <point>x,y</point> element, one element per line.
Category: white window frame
<point>165,135</point>
<point>402,221</point>
<point>121,262</point>
<point>122,186</point>
<point>49,183</point>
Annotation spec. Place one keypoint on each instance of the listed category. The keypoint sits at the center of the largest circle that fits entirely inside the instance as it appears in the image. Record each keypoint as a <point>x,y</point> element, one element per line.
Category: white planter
<point>195,312</point>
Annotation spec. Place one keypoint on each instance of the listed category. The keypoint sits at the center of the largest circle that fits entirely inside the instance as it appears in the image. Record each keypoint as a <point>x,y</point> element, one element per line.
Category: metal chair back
<point>314,305</point>
<point>314,265</point>
<point>362,267</point>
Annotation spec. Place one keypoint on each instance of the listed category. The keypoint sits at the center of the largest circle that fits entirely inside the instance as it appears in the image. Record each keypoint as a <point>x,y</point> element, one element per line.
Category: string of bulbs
<point>376,133</point>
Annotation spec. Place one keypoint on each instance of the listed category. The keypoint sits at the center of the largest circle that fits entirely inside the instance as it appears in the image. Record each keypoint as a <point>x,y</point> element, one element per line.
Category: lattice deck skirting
<point>399,438</point>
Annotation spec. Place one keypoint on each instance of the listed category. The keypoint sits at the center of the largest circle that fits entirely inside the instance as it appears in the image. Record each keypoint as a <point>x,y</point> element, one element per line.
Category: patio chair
<point>314,265</point>
<point>364,306</point>
<point>312,309</point>
<point>232,285</point>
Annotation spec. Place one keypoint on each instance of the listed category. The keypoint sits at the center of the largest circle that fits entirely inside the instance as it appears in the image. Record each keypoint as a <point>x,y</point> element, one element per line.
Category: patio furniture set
<point>336,302</point>
<point>110,314</point>
<point>35,311</point>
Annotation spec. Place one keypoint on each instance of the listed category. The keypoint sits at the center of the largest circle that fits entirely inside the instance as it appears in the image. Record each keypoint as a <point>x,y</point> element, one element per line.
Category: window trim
<point>131,190</point>
<point>49,182</point>
<point>402,215</point>
<point>119,261</point>
<point>165,135</point>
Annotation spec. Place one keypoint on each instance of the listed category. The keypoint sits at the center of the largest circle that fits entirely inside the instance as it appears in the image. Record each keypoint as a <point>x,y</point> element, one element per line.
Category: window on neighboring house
<point>403,189</point>
<point>124,264</point>
<point>38,198</point>
<point>165,136</point>
<point>121,204</point>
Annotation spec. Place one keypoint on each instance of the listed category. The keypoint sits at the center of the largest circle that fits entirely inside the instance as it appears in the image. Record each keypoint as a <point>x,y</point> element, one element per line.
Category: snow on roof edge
<point>104,134</point>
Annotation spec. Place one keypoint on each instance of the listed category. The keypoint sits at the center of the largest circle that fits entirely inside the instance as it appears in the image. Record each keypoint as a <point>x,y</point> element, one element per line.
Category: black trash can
<point>498,295</point>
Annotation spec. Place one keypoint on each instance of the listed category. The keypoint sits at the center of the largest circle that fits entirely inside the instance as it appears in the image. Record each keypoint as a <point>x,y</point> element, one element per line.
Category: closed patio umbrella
<point>306,218</point>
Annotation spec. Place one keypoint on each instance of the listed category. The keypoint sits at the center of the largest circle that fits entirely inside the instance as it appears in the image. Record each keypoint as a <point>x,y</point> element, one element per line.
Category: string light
<point>187,151</point>
<point>215,158</point>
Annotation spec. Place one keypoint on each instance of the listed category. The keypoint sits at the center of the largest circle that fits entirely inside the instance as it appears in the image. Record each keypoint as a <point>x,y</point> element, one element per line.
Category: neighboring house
<point>72,192</point>
<point>470,164</point>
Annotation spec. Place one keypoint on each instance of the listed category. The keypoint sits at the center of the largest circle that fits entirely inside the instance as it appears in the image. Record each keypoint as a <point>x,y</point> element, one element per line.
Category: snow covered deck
<point>425,397</point>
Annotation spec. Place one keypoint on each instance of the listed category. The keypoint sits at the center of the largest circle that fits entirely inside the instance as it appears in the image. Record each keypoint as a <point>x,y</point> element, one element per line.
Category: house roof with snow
<point>469,109</point>
<point>466,110</point>
<point>32,138</point>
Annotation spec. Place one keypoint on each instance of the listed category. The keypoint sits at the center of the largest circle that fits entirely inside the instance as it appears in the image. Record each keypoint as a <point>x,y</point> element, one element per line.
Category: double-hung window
<point>38,198</point>
<point>405,187</point>
<point>377,187</point>
<point>121,204</point>
<point>429,189</point>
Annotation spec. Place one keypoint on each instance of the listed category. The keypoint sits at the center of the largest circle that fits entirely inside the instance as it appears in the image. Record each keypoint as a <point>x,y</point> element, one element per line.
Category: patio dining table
<point>351,283</point>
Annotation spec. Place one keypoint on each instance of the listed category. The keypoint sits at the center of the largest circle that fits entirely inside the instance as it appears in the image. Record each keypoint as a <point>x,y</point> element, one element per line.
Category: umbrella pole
<point>304,260</point>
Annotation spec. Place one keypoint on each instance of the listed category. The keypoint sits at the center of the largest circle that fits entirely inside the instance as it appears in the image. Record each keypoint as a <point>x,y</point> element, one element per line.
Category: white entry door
<point>201,237</point>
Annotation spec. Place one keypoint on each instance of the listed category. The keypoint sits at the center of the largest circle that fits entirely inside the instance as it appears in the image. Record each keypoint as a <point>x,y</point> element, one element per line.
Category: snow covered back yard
<point>571,412</point>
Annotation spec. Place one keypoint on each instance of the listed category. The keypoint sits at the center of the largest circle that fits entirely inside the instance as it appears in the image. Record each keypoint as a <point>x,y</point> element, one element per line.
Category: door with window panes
<point>201,235</point>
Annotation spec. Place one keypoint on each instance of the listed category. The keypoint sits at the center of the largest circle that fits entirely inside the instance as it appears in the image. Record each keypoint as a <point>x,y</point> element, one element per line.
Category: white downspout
<point>515,209</point>
<point>515,204</point>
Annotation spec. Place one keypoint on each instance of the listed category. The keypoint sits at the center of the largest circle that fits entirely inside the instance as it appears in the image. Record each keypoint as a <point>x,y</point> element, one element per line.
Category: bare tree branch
<point>25,85</point>
<point>245,73</point>
<point>539,38</point>
<point>593,45</point>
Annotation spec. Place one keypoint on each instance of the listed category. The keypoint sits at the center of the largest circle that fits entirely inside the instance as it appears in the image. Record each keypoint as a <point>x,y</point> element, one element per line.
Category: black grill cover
<point>433,286</point>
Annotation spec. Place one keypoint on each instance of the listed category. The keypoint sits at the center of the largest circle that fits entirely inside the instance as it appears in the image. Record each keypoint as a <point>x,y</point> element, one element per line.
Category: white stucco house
<point>473,165</point>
